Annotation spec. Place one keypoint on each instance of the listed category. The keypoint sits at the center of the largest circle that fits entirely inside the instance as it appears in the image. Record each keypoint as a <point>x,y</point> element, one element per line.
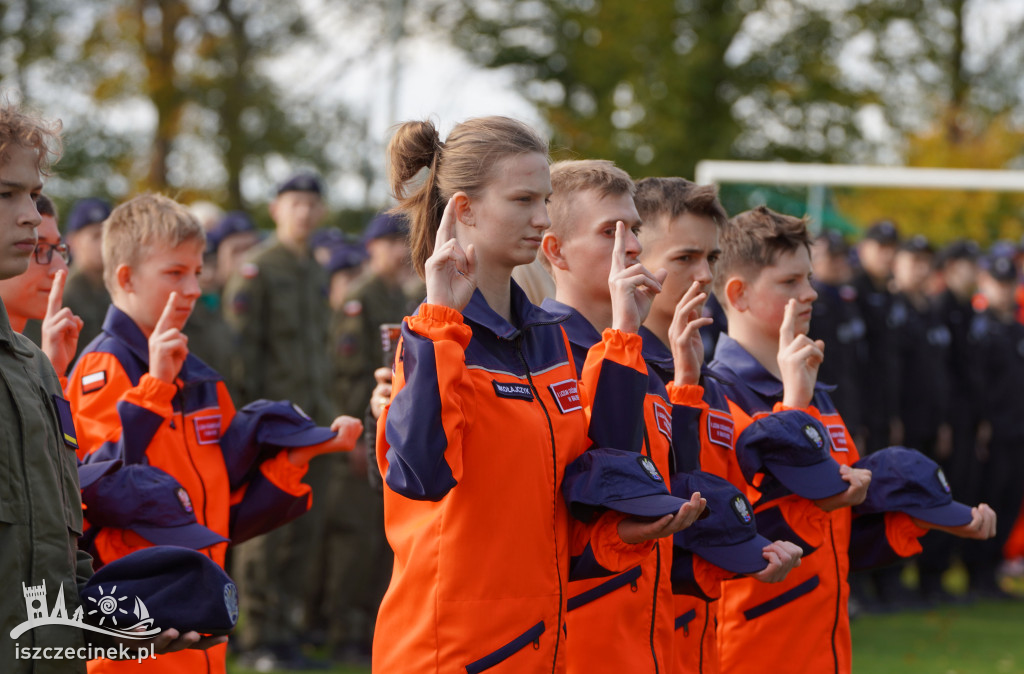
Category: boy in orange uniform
<point>137,392</point>
<point>628,622</point>
<point>800,625</point>
<point>680,235</point>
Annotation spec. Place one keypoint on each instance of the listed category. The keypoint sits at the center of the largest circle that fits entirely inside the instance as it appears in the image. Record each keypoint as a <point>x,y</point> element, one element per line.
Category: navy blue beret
<point>385,225</point>
<point>170,586</point>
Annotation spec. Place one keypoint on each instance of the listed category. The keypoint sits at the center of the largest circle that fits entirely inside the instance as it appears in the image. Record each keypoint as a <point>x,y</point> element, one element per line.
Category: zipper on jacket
<point>554,482</point>
<point>657,568</point>
<point>188,452</point>
<point>703,633</point>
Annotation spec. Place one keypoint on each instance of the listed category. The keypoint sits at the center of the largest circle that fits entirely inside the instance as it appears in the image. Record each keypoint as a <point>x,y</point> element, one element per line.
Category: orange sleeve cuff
<point>811,409</point>
<point>903,534</point>
<point>610,550</point>
<point>152,394</point>
<point>624,348</point>
<point>690,395</point>
<point>285,475</point>
<point>436,322</point>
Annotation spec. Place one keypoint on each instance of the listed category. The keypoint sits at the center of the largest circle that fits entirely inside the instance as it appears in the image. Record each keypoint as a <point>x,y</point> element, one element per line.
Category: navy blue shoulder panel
<point>543,347</point>
<point>106,343</point>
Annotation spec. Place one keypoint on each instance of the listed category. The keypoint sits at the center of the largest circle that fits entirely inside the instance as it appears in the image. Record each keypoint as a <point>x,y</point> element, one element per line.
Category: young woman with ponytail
<point>486,414</point>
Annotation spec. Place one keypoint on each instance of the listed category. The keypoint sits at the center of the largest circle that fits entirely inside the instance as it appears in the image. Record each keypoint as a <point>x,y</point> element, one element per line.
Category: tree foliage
<point>170,95</point>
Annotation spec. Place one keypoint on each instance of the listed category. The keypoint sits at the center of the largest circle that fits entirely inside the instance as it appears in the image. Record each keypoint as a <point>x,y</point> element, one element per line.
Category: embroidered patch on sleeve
<point>94,382</point>
<point>838,435</point>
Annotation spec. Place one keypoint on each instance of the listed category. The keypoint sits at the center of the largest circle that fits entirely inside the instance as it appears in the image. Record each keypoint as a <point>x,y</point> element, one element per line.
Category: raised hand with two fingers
<point>684,336</point>
<point>632,286</point>
<point>799,359</point>
<point>450,271</point>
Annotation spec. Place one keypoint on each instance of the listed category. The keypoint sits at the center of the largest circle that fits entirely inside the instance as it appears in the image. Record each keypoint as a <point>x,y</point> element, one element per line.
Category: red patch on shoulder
<point>721,430</point>
<point>567,395</point>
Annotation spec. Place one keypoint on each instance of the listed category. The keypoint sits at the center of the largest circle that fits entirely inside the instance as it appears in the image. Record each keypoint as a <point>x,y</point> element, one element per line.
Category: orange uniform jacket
<point>484,418</point>
<point>123,412</point>
<point>800,625</point>
<point>696,613</point>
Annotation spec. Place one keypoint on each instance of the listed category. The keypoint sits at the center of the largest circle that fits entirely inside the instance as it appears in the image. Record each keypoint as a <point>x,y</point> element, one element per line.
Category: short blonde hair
<point>143,223</point>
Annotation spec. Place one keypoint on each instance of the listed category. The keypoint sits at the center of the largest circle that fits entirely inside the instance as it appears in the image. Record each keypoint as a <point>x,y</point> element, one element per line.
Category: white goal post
<point>785,173</point>
<point>816,177</point>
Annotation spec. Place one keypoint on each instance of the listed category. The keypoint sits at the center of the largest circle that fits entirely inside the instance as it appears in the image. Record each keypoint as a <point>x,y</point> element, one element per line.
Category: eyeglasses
<point>45,251</point>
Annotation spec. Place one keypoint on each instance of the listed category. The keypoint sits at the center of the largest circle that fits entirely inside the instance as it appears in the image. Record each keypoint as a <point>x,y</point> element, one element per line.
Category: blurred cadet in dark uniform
<point>276,303</point>
<point>209,336</point>
<point>359,550</point>
<point>996,343</point>
<point>344,265</point>
<point>924,356</point>
<point>84,292</point>
<point>880,387</point>
<point>836,320</point>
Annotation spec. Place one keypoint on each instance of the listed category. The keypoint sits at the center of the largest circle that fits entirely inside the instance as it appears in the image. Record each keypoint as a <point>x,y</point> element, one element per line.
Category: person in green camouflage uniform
<point>356,546</point>
<point>276,305</point>
<point>85,294</point>
<point>209,336</point>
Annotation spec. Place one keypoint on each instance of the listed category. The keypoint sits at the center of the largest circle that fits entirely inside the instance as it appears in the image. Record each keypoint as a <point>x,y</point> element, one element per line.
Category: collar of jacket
<point>7,334</point>
<point>121,327</point>
<point>654,351</point>
<point>577,328</point>
<point>525,315</point>
<point>729,355</point>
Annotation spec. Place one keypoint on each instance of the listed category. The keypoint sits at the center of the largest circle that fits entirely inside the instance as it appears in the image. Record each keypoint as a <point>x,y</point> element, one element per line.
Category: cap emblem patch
<point>942,480</point>
<point>649,468</point>
<point>742,510</point>
<point>814,436</point>
<point>301,412</point>
<point>231,602</point>
<point>183,498</point>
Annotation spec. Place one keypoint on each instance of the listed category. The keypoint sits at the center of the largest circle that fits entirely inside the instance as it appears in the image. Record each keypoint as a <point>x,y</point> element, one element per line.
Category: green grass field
<point>981,638</point>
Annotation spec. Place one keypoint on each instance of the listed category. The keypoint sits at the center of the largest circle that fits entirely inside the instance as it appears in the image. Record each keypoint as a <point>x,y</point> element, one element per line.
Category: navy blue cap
<point>906,480</point>
<point>917,244</point>
<point>795,448</point>
<point>327,237</point>
<point>1000,267</point>
<point>90,472</point>
<point>834,242</point>
<point>165,586</point>
<point>88,211</point>
<point>614,479</point>
<point>233,222</point>
<point>884,232</point>
<point>149,502</point>
<point>301,182</point>
<point>386,224</point>
<point>961,249</point>
<point>1003,248</point>
<point>728,537</point>
<point>345,256</point>
<point>260,430</point>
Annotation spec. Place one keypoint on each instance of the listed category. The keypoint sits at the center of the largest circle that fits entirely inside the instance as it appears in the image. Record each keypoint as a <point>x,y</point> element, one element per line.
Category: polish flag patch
<point>721,430</point>
<point>94,382</point>
<point>567,395</point>
<point>838,435</point>
<point>207,429</point>
<point>664,419</point>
